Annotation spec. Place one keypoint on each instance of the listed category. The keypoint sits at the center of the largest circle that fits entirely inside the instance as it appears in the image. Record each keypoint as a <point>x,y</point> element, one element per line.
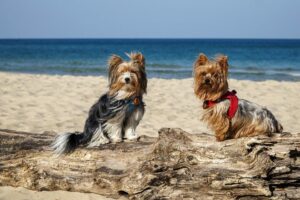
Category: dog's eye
<point>134,72</point>
<point>203,74</point>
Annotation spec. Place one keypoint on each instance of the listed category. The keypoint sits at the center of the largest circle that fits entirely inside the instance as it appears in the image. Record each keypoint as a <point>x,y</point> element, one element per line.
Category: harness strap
<point>231,96</point>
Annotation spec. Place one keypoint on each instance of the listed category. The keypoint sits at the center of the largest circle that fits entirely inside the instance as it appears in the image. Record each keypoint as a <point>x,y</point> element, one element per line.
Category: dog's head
<point>210,77</point>
<point>127,78</point>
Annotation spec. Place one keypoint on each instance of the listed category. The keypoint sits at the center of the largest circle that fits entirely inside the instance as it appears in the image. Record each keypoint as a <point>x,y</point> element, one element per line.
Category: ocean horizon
<point>251,59</point>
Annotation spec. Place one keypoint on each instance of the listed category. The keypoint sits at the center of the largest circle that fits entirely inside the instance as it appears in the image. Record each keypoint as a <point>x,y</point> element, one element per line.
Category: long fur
<point>210,83</point>
<point>117,113</point>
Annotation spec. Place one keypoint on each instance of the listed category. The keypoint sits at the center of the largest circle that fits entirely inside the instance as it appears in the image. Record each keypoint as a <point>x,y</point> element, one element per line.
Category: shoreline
<point>104,76</point>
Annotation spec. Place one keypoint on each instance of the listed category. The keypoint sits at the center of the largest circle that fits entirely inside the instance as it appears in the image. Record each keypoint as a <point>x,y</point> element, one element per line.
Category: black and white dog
<point>117,113</point>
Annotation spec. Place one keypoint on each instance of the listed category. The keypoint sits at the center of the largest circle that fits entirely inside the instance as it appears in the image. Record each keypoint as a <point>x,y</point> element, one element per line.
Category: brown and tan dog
<point>228,116</point>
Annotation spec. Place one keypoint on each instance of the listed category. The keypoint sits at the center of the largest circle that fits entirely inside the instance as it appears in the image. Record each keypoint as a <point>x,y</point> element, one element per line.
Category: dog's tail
<point>101,111</point>
<point>279,128</point>
<point>276,126</point>
<point>66,143</point>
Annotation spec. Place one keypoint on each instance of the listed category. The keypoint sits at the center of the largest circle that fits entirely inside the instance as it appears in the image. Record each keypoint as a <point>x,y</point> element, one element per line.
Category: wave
<point>165,65</point>
<point>156,69</point>
<point>77,62</point>
<point>266,68</point>
<point>295,73</point>
<point>153,69</point>
<point>55,69</point>
<point>250,68</point>
<point>169,68</point>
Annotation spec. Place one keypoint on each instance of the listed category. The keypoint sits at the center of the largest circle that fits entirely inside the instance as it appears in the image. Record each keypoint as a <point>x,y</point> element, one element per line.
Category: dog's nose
<point>207,81</point>
<point>127,80</point>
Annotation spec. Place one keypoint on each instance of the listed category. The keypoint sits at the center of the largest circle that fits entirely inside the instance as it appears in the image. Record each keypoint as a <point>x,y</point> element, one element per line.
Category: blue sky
<point>149,19</point>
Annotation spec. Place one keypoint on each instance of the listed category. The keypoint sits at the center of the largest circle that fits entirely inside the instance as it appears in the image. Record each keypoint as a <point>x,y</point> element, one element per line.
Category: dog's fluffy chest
<point>218,109</point>
<point>116,122</point>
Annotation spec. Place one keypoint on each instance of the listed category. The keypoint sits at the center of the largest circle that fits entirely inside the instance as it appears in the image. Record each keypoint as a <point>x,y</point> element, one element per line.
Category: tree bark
<point>176,165</point>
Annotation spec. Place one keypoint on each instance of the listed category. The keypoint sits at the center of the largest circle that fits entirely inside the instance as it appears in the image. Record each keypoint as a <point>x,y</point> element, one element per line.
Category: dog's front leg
<point>132,122</point>
<point>114,131</point>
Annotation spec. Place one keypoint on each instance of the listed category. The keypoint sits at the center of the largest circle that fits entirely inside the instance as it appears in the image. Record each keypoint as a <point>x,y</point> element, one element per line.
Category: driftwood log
<point>176,165</point>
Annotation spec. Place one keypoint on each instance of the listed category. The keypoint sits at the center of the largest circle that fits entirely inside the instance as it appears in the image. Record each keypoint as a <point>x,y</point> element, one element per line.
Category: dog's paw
<point>131,140</point>
<point>130,134</point>
<point>220,138</point>
<point>116,140</point>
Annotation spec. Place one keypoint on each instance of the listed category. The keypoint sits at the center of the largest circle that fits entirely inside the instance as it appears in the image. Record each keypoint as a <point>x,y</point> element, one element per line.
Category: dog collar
<point>137,100</point>
<point>231,96</point>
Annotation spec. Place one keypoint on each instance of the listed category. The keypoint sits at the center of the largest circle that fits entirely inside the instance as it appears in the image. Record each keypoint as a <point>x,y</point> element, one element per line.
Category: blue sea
<point>254,59</point>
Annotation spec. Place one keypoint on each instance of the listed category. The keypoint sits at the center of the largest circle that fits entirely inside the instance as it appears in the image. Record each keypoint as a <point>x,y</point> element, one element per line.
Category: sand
<point>39,103</point>
<point>11,193</point>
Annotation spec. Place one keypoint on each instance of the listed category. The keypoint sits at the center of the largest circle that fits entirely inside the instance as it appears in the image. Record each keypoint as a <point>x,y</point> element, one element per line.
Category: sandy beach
<point>39,103</point>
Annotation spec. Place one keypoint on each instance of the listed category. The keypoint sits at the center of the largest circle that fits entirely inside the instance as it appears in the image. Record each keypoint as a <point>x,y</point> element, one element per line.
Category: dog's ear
<point>137,59</point>
<point>113,62</point>
<point>201,60</point>
<point>223,61</point>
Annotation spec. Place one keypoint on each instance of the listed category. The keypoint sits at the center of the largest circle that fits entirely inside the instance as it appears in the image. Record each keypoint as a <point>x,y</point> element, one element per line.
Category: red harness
<point>231,96</point>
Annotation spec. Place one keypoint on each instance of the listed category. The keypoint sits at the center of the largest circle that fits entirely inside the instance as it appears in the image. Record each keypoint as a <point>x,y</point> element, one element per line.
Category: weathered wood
<point>176,165</point>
